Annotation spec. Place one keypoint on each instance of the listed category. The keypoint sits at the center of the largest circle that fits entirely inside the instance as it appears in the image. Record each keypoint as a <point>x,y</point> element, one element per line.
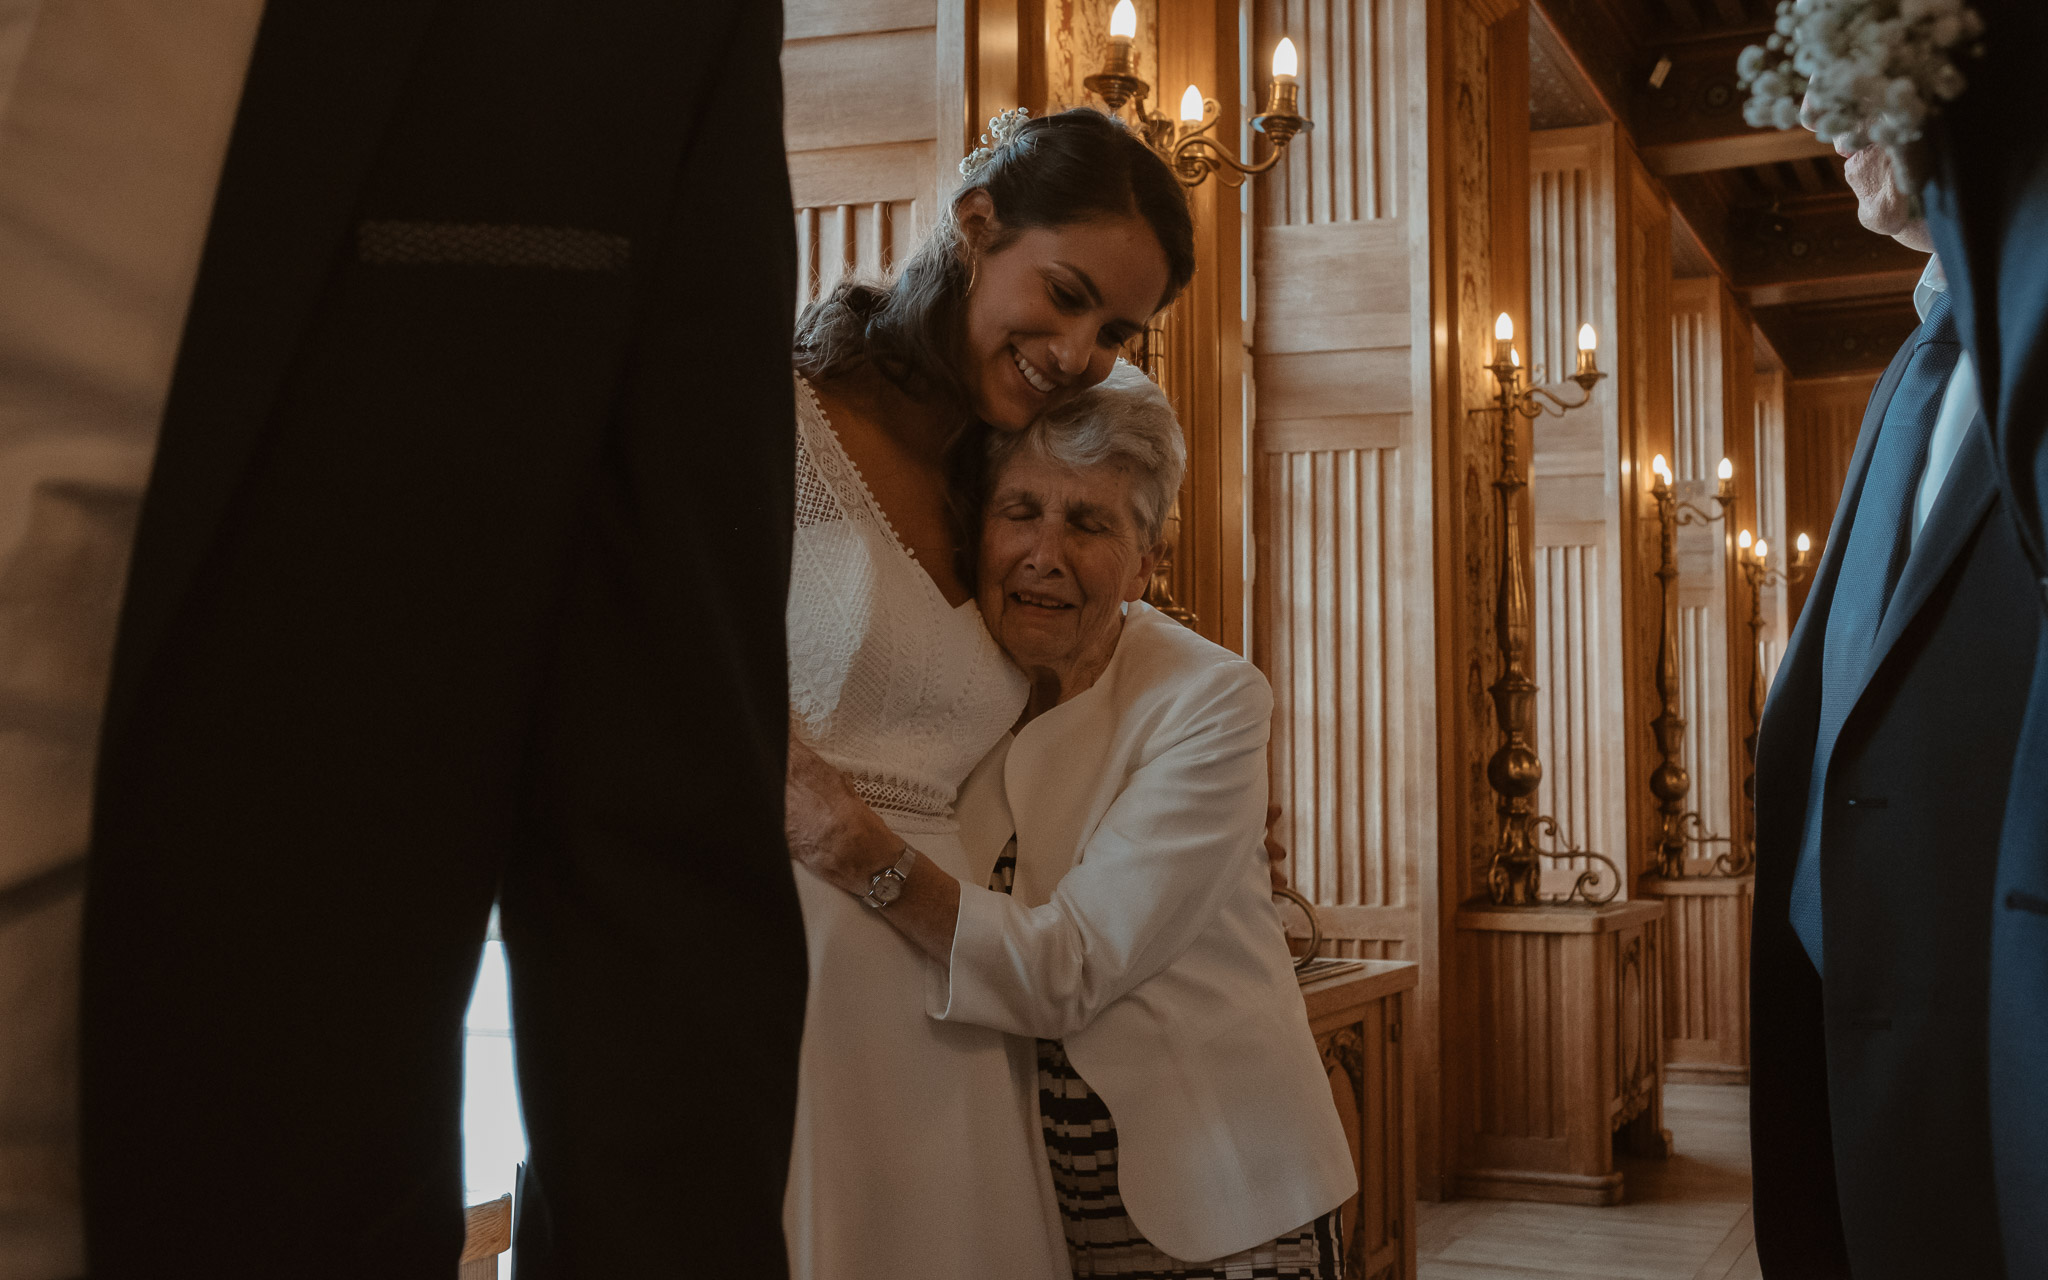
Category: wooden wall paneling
<point>1771,518</point>
<point>1575,484</point>
<point>1822,417</point>
<point>1337,346</point>
<point>1476,113</point>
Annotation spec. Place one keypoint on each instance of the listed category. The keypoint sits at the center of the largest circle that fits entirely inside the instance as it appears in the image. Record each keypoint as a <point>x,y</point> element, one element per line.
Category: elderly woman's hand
<point>831,830</point>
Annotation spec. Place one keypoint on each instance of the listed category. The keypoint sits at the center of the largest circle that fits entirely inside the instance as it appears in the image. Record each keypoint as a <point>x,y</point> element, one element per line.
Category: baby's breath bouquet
<point>1863,71</point>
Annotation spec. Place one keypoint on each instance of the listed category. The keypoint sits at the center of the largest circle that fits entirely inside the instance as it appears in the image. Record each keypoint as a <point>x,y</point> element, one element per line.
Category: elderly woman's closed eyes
<point>1125,925</point>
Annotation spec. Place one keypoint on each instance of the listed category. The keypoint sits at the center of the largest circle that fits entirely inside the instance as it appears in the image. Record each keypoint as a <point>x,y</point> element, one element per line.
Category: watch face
<point>887,888</point>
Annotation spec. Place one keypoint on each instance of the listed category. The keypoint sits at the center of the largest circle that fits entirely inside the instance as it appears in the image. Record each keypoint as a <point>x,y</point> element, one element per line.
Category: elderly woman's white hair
<point>1124,421</point>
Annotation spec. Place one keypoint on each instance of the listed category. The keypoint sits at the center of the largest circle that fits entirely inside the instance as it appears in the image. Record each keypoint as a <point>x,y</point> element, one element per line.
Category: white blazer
<point>1142,932</point>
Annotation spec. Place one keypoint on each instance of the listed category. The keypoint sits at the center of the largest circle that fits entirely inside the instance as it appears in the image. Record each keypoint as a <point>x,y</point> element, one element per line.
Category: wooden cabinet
<point>1358,1017</point>
<point>1706,978</point>
<point>1568,1049</point>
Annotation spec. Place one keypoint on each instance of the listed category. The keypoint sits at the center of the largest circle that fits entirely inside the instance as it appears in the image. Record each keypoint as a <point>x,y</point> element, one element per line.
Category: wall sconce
<point>1515,770</point>
<point>1754,559</point>
<point>1186,144</point>
<point>1669,782</point>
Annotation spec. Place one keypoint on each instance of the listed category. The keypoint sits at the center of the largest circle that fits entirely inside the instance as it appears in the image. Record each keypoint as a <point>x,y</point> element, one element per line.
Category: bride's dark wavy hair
<point>1055,171</point>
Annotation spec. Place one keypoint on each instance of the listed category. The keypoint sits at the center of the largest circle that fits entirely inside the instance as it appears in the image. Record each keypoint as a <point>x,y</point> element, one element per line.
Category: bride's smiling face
<point>1051,306</point>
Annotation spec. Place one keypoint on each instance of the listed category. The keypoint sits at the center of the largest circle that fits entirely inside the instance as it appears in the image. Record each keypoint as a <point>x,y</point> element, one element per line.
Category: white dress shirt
<point>114,122</point>
<point>1959,405</point>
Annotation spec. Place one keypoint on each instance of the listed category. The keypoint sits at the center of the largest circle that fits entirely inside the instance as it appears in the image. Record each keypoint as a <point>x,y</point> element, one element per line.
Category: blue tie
<point>1878,543</point>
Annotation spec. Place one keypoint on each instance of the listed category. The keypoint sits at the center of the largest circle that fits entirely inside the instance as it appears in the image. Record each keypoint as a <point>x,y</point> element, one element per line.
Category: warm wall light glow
<point>1763,550</point>
<point>1805,544</point>
<point>1742,539</point>
<point>1662,468</point>
<point>1588,340</point>
<point>1727,470</point>
<point>1503,328</point>
<point>1123,20</point>
<point>1284,61</point>
<point>1191,106</point>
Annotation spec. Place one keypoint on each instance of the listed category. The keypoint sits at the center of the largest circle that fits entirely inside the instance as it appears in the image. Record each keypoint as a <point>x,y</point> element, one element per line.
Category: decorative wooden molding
<point>1706,990</point>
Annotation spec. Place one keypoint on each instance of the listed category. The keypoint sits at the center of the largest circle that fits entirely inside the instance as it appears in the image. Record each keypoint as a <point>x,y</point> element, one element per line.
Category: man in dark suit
<point>1882,768</point>
<point>460,576</point>
<point>1987,208</point>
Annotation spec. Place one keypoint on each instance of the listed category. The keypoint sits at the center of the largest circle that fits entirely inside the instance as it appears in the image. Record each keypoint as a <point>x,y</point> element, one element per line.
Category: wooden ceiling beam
<point>1733,151</point>
<point>1832,288</point>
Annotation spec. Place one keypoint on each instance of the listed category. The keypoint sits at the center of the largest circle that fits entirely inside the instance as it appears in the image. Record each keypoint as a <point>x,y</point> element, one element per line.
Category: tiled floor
<point>1687,1218</point>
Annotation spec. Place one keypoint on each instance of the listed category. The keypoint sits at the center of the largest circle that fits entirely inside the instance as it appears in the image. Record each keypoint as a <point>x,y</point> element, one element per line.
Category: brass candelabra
<point>1679,828</point>
<point>1186,144</point>
<point>1514,874</point>
<point>1755,562</point>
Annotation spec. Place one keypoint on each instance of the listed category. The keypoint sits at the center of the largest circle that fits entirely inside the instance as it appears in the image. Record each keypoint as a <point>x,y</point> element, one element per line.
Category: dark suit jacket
<point>1870,1134</point>
<point>1988,208</point>
<point>462,568</point>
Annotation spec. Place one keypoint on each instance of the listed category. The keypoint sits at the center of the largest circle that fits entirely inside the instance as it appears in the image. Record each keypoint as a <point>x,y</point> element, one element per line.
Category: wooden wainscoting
<point>1706,983</point>
<point>1358,1019</point>
<point>1568,1049</point>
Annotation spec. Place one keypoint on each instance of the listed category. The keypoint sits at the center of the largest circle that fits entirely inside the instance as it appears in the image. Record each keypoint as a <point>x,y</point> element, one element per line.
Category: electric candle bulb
<point>1763,551</point>
<point>1285,64</point>
<point>1743,540</point>
<point>1504,328</point>
<point>1727,470</point>
<point>1805,544</point>
<point>1661,468</point>
<point>1514,357</point>
<point>1191,106</point>
<point>1588,340</point>
<point>1123,21</point>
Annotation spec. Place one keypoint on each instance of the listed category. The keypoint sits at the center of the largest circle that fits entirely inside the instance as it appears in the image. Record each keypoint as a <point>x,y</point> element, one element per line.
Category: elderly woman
<point>1189,1124</point>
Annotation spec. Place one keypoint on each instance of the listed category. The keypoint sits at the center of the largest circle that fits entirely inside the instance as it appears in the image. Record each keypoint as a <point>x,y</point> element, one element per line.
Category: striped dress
<point>1080,1141</point>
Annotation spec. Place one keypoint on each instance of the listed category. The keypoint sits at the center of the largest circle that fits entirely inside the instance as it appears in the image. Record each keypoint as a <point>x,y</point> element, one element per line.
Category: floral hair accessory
<point>1002,130</point>
<point>1862,71</point>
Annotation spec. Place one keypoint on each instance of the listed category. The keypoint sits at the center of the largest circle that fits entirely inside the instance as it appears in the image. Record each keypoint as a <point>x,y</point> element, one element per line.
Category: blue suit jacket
<point>1988,208</point>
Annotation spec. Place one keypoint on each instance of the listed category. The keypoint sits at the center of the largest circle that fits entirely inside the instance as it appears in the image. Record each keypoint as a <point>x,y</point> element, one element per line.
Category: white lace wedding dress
<point>918,1154</point>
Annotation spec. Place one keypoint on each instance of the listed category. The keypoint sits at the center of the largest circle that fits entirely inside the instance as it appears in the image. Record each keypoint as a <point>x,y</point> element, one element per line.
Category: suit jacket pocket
<point>402,242</point>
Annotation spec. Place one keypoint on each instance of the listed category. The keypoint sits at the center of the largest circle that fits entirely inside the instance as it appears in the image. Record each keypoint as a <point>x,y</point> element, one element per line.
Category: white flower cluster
<point>1002,129</point>
<point>1865,71</point>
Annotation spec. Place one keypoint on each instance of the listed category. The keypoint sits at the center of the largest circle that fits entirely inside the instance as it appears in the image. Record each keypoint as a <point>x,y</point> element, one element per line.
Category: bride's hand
<point>830,828</point>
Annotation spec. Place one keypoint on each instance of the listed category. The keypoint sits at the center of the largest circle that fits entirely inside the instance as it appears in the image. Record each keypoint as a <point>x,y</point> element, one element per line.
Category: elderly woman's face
<point>1059,559</point>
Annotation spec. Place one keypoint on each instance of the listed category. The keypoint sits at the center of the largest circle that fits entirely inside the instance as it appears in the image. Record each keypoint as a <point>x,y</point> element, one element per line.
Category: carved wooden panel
<point>1579,697</point>
<point>1361,1025</point>
<point>1350,166</point>
<point>1822,417</point>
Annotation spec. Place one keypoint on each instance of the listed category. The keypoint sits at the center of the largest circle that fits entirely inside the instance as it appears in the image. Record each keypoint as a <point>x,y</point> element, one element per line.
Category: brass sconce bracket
<point>1525,837</point>
<point>1678,828</point>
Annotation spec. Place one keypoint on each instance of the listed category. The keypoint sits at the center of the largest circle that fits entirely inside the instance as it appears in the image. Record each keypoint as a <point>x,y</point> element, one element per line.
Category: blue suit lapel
<point>323,85</point>
<point>1965,499</point>
<point>1801,667</point>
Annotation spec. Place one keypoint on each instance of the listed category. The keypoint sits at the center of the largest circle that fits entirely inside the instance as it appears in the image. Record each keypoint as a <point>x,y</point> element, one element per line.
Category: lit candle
<point>1727,474</point>
<point>1503,336</point>
<point>1589,342</point>
<point>1514,357</point>
<point>1123,28</point>
<point>1191,107</point>
<point>1662,470</point>
<point>1805,545</point>
<point>1742,540</point>
<point>1282,98</point>
<point>1763,551</point>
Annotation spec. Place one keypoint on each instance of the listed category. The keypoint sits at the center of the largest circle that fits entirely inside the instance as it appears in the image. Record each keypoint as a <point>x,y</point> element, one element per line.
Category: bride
<point>917,1151</point>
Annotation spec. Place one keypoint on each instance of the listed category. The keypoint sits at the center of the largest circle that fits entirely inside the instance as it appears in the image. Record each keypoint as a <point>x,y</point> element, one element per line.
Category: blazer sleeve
<point>1171,847</point>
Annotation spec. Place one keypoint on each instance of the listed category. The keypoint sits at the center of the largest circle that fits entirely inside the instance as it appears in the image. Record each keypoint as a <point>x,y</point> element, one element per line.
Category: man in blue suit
<point>1987,209</point>
<point>1882,769</point>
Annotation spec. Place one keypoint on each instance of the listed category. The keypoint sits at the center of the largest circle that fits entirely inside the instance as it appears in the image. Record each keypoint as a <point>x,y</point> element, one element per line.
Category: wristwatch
<point>886,885</point>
